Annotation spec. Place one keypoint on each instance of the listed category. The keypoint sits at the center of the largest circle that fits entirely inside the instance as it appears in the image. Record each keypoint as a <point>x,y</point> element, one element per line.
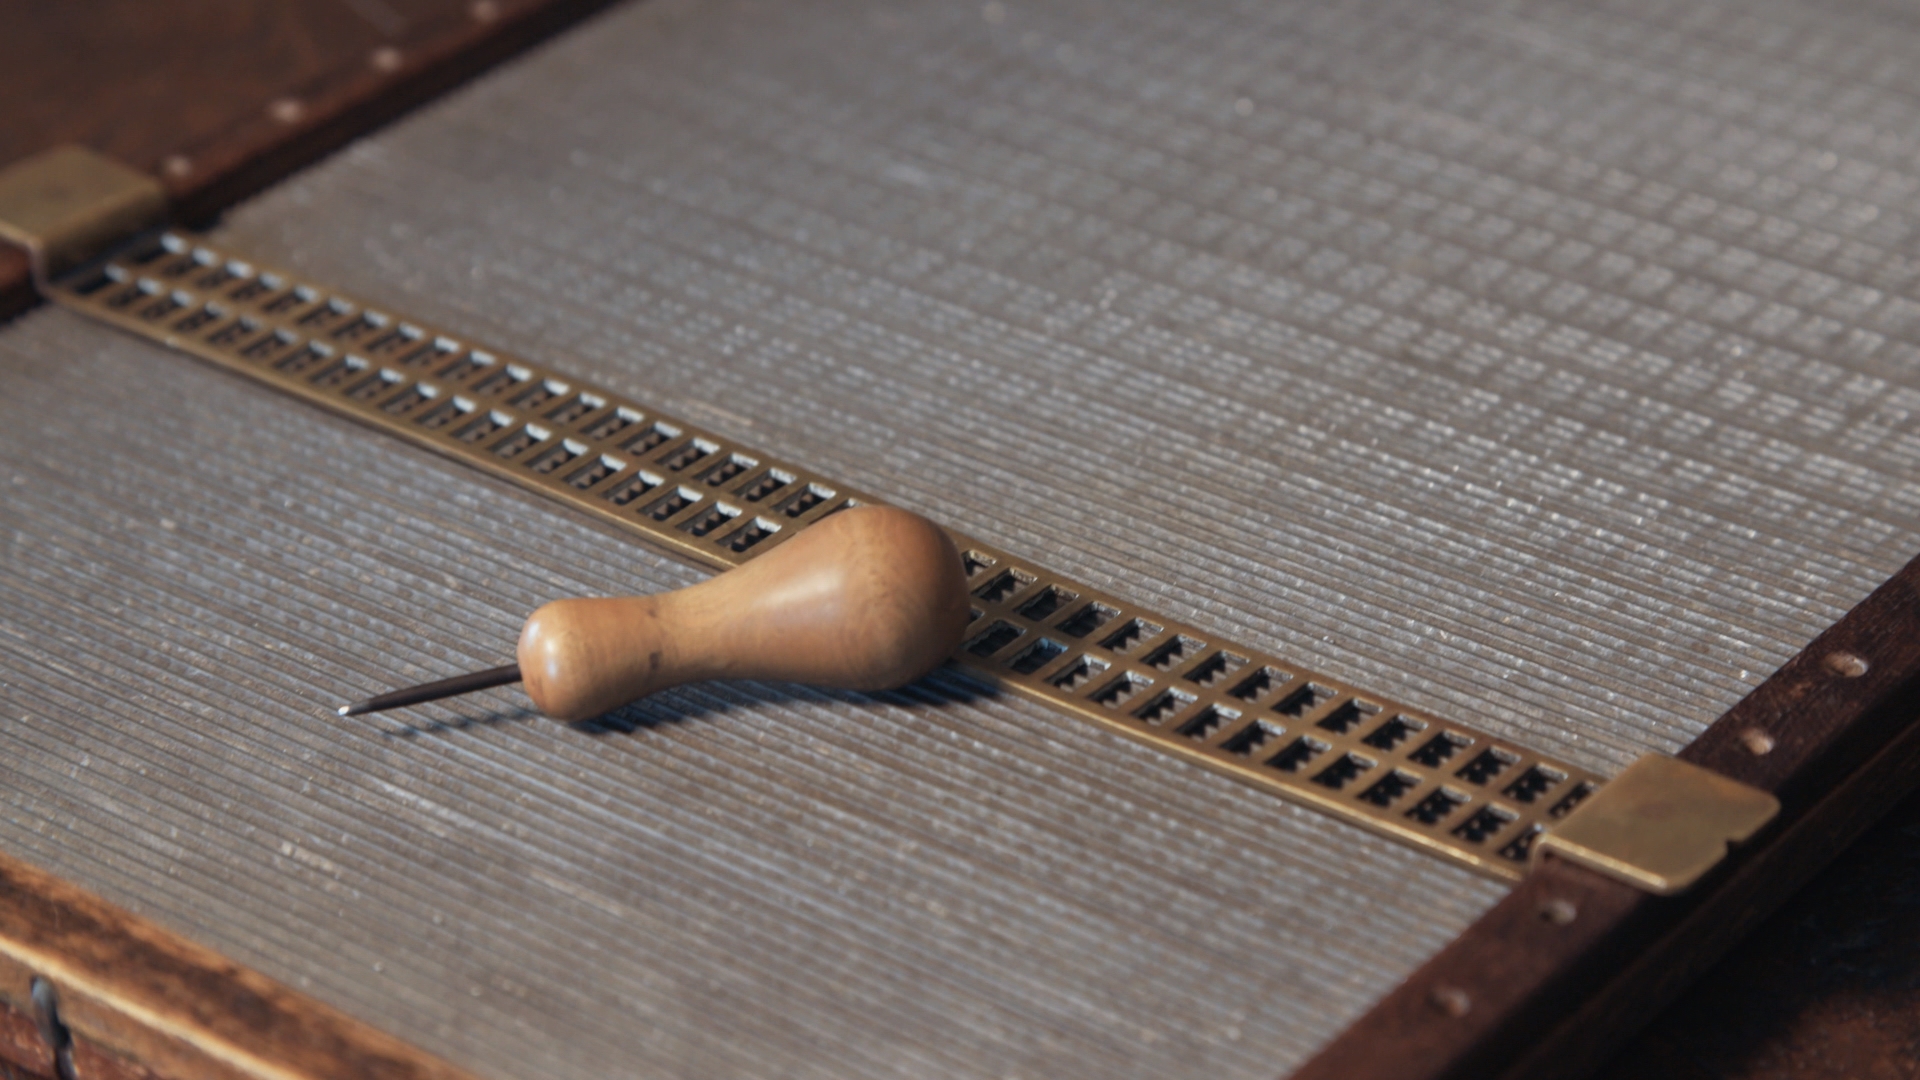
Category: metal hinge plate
<point>1660,825</point>
<point>69,205</point>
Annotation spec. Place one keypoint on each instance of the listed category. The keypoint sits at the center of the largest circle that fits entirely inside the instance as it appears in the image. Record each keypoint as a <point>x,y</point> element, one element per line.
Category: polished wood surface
<point>869,599</point>
<point>145,83</point>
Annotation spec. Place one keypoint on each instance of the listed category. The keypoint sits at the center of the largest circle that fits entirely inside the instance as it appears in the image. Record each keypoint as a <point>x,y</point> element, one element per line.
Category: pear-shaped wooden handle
<point>868,599</point>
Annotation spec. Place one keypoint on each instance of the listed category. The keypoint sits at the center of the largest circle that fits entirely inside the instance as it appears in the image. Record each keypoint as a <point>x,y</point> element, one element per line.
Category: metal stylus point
<point>434,691</point>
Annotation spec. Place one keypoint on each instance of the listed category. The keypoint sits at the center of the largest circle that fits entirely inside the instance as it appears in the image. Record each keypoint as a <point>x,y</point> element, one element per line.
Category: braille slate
<point>1551,367</point>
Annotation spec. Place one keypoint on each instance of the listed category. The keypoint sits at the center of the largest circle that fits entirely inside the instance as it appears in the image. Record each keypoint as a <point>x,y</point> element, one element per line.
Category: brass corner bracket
<point>1660,825</point>
<point>69,205</point>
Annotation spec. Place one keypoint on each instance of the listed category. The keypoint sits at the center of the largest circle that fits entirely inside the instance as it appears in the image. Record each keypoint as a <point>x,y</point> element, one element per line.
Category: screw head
<point>1845,664</point>
<point>1451,1000</point>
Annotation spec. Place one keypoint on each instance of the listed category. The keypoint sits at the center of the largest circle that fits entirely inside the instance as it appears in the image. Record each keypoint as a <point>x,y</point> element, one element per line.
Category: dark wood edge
<point>141,1001</point>
<point>356,99</point>
<point>335,108</point>
<point>1525,992</point>
<point>16,282</point>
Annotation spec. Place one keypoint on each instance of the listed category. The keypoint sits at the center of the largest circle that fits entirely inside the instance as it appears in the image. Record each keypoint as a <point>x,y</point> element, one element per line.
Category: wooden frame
<point>1562,967</point>
<point>140,1002</point>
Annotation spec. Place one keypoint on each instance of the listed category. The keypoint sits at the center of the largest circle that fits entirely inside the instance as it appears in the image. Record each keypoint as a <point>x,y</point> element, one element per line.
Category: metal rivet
<point>1451,1000</point>
<point>1845,664</point>
<point>177,165</point>
<point>385,58</point>
<point>484,10</point>
<point>1559,912</point>
<point>1757,741</point>
<point>287,110</point>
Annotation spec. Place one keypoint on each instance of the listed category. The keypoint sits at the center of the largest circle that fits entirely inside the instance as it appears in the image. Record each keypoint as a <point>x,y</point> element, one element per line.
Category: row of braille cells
<point>304,337</point>
<point>1230,705</point>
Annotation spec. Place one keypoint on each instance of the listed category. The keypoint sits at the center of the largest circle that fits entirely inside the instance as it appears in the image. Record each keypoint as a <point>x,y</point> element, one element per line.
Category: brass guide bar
<point>1442,787</point>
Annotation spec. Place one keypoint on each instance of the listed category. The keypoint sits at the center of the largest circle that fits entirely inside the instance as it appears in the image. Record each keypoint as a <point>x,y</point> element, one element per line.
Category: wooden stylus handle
<point>868,599</point>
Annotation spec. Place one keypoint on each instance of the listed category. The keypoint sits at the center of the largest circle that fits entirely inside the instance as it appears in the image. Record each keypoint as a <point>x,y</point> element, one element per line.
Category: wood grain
<point>1526,992</point>
<point>24,1056</point>
<point>870,598</point>
<point>131,991</point>
<point>220,98</point>
<point>10,1071</point>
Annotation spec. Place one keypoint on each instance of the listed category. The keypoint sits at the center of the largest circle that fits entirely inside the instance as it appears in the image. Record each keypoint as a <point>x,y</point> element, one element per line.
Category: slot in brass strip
<point>1442,787</point>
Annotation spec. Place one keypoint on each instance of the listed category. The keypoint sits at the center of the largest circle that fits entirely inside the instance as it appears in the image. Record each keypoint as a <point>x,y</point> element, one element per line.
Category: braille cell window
<point>750,534</point>
<point>1121,690</point>
<point>1486,765</point>
<point>1036,656</point>
<point>1297,754</point>
<point>1047,601</point>
<point>1388,789</point>
<point>1303,700</point>
<point>1348,715</point>
<point>1164,705</point>
<point>1131,633</point>
<point>996,637</point>
<point>1438,749</point>
<point>1255,686</point>
<point>1253,738</point>
<point>1483,823</point>
<point>1170,655</point>
<point>1396,730</point>
<point>713,517</point>
<point>1343,771</point>
<point>1436,807</point>
<point>1079,673</point>
<point>1004,584</point>
<point>1208,722</point>
<point>1215,668</point>
<point>1535,782</point>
